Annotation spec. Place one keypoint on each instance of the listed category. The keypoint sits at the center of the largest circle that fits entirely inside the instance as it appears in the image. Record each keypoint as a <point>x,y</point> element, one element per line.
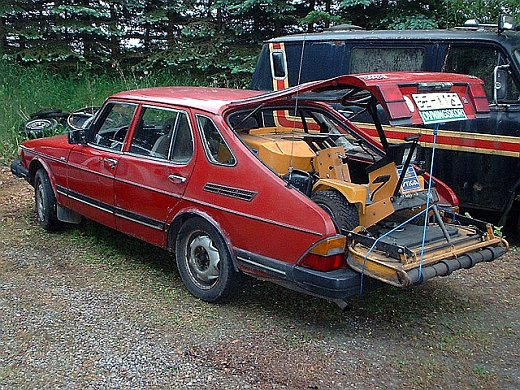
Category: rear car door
<point>92,166</point>
<point>153,174</point>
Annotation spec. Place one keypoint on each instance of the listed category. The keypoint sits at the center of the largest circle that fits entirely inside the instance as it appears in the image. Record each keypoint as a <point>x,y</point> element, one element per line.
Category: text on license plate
<point>436,101</point>
<point>439,107</point>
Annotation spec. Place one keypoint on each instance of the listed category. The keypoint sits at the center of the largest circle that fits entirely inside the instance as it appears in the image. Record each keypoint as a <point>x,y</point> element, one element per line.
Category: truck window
<point>370,59</point>
<point>480,61</point>
<point>278,64</point>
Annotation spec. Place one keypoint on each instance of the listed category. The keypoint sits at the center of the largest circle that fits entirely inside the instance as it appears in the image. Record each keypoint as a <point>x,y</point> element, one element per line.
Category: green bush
<point>26,90</point>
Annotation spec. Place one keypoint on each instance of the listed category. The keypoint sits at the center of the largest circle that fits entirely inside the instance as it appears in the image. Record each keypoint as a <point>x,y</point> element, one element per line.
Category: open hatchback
<point>400,231</point>
<point>281,186</point>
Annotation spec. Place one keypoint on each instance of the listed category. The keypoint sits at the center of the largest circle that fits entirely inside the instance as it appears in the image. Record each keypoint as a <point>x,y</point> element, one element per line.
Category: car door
<point>92,166</point>
<point>152,175</point>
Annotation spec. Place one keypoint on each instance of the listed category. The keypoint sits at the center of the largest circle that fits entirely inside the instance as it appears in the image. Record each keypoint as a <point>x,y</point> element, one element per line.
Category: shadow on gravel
<point>387,307</point>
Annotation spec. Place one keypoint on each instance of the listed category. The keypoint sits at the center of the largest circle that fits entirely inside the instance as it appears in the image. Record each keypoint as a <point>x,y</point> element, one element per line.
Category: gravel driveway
<point>90,308</point>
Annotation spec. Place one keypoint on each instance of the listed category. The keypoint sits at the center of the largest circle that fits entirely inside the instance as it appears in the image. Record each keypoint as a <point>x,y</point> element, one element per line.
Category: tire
<point>343,213</point>
<point>205,263</point>
<point>38,128</point>
<point>46,207</point>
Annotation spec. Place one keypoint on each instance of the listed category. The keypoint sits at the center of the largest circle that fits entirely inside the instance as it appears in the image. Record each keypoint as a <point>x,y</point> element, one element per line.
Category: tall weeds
<point>25,90</point>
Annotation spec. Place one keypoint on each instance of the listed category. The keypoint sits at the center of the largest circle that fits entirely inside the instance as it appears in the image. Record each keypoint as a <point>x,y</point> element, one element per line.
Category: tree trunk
<point>312,7</point>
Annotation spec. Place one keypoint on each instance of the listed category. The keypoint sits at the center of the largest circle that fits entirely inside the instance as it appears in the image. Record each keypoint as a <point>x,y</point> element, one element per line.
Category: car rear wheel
<point>46,207</point>
<point>204,262</point>
<point>343,213</point>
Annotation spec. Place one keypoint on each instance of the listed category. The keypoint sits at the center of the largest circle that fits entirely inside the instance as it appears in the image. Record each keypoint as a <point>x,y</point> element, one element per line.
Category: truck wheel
<point>204,262</point>
<point>46,208</point>
<point>343,213</point>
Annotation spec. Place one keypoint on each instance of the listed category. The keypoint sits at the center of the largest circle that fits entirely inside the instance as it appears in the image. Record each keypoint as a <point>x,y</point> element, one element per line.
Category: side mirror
<point>77,137</point>
<point>505,22</point>
<point>500,81</point>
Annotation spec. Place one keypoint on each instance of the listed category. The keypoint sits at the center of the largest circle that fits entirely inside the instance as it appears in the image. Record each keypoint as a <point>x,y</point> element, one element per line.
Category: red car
<point>279,185</point>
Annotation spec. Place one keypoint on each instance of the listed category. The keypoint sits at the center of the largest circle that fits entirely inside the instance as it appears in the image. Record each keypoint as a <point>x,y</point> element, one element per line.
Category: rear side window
<point>480,61</point>
<point>392,59</point>
<point>278,64</point>
<point>215,147</point>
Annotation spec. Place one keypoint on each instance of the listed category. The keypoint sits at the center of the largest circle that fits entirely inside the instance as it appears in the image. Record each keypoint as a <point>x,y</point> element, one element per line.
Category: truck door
<point>480,159</point>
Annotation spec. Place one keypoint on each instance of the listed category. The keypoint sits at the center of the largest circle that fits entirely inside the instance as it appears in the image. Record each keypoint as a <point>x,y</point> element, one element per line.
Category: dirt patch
<point>87,307</point>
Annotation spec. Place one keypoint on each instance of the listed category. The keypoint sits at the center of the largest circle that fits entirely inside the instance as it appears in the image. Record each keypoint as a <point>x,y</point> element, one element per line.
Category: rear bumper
<point>337,284</point>
<point>18,169</point>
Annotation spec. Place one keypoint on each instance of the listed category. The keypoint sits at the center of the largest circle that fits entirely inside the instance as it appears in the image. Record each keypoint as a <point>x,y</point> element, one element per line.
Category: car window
<point>480,61</point>
<point>115,121</point>
<point>291,129</point>
<point>386,59</point>
<point>215,147</point>
<point>163,133</point>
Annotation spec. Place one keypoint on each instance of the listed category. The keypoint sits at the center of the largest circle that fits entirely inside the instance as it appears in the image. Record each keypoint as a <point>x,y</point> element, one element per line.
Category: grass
<point>26,90</point>
<point>434,335</point>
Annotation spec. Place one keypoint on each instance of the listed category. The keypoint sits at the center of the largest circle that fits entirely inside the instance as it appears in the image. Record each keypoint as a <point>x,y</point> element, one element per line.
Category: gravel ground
<point>89,308</point>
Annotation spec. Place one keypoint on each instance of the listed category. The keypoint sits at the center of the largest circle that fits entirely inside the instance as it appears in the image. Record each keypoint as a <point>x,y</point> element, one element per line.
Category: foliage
<point>215,39</point>
<point>26,90</point>
<point>415,16</point>
<point>487,11</point>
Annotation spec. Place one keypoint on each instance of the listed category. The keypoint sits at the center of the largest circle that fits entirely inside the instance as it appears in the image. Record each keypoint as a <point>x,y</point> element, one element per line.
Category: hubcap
<point>203,261</point>
<point>40,206</point>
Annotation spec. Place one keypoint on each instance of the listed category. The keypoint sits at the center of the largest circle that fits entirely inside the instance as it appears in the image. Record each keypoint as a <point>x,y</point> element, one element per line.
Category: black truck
<point>479,160</point>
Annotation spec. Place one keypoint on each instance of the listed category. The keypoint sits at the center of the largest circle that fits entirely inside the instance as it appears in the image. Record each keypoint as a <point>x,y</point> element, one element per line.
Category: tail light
<point>326,255</point>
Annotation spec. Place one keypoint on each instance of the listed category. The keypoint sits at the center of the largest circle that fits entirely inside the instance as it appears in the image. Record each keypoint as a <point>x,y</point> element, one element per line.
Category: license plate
<point>436,101</point>
<point>439,107</point>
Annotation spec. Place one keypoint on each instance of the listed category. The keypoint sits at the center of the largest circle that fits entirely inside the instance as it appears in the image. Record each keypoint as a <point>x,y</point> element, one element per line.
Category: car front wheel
<point>204,262</point>
<point>46,208</point>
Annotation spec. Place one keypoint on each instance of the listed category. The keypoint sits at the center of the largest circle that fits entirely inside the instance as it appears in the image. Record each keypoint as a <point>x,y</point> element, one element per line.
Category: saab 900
<point>279,185</point>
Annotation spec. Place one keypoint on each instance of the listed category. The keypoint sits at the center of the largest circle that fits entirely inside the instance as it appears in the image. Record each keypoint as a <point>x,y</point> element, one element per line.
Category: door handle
<point>111,161</point>
<point>176,179</point>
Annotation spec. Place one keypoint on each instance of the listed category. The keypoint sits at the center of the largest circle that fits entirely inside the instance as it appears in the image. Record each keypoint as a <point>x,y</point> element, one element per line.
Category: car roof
<point>409,35</point>
<point>202,98</point>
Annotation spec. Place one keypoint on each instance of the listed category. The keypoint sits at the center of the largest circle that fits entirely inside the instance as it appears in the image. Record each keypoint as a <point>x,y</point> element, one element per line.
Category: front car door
<point>92,166</point>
